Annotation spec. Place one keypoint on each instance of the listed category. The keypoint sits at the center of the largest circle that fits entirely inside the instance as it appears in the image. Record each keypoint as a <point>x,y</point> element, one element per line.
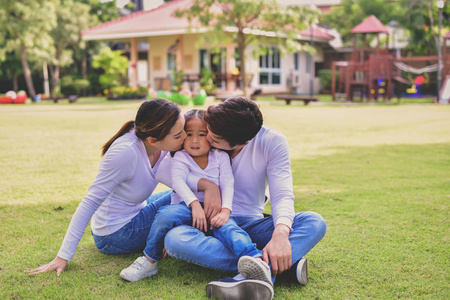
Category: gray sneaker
<point>252,268</point>
<point>232,289</point>
<point>141,268</point>
<point>302,271</point>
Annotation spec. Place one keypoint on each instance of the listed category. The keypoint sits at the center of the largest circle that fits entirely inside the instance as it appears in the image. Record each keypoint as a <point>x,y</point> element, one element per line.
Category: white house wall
<point>158,46</point>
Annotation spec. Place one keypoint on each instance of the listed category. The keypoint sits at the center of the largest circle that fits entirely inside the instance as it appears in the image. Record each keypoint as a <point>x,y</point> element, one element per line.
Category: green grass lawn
<point>379,175</point>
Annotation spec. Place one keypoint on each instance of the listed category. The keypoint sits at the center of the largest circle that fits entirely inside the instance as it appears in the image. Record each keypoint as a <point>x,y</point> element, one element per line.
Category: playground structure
<point>372,71</point>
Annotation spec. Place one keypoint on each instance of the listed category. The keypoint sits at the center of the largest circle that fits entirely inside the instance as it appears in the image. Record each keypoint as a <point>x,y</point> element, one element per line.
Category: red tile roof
<point>318,32</point>
<point>370,25</point>
<point>159,21</point>
<point>161,18</point>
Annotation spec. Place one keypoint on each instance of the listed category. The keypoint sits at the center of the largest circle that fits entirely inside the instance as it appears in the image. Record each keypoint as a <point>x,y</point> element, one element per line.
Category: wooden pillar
<point>149,66</point>
<point>179,53</point>
<point>230,64</point>
<point>134,59</point>
<point>333,81</point>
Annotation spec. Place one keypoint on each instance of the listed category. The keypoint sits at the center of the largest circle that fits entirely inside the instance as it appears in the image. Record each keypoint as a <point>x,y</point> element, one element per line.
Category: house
<point>158,43</point>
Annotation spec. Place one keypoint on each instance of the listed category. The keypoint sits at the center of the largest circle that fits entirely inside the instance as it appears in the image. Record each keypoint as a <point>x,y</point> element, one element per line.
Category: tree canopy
<point>419,19</point>
<point>250,22</point>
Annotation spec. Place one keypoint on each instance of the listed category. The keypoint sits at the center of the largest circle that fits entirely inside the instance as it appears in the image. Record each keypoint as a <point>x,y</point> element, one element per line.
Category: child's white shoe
<point>141,268</point>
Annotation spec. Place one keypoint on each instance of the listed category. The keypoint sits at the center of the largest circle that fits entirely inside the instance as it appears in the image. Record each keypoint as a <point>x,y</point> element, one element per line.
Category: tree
<point>72,18</point>
<point>233,20</point>
<point>350,13</point>
<point>114,64</point>
<point>420,18</point>
<point>27,25</point>
<point>417,17</point>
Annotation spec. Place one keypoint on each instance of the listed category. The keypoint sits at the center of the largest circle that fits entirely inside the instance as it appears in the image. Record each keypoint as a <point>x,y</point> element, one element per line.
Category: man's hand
<point>57,264</point>
<point>221,218</point>
<point>278,250</point>
<point>212,200</point>
<point>198,217</point>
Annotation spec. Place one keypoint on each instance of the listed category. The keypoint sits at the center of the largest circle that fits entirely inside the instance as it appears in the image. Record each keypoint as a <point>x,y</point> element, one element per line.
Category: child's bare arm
<point>198,216</point>
<point>221,218</point>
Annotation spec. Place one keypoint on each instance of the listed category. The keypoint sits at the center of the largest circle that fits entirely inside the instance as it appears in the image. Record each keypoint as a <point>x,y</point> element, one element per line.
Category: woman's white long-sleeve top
<point>124,182</point>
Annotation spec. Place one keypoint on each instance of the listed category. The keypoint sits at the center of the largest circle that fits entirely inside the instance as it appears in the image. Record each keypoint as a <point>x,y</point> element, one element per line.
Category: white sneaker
<point>302,271</point>
<point>141,268</point>
<point>244,289</point>
<point>252,268</point>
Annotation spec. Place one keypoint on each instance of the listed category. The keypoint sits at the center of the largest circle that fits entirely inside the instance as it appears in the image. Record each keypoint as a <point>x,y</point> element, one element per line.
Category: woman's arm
<point>115,167</point>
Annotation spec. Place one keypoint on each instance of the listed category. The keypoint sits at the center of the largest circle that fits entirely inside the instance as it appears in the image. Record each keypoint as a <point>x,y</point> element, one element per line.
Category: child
<point>199,159</point>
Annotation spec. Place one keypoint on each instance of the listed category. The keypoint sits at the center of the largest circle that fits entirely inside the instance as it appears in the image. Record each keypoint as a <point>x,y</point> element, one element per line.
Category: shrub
<point>325,79</point>
<point>200,99</point>
<point>126,92</point>
<point>71,85</point>
<point>179,99</point>
<point>207,81</point>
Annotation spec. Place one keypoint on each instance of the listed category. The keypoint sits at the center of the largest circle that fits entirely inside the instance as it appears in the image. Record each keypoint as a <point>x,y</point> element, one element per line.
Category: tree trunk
<point>84,69</point>
<point>14,80</point>
<point>241,51</point>
<point>27,72</point>
<point>54,74</point>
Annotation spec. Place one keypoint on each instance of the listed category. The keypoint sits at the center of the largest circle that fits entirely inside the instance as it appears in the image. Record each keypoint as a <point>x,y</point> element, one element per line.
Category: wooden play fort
<point>372,71</point>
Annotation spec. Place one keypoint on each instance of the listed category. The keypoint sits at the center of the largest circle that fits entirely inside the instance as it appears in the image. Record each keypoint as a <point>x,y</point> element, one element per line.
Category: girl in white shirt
<point>117,200</point>
<point>197,159</point>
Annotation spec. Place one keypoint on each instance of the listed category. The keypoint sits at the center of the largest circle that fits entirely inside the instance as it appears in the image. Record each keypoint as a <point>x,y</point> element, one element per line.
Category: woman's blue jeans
<point>132,237</point>
<point>230,235</point>
<point>192,245</point>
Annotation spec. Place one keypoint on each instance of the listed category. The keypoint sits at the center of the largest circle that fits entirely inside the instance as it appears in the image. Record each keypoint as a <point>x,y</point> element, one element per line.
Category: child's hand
<point>198,217</point>
<point>221,218</point>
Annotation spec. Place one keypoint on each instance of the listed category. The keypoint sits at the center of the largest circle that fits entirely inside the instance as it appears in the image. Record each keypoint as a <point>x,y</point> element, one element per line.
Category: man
<point>260,157</point>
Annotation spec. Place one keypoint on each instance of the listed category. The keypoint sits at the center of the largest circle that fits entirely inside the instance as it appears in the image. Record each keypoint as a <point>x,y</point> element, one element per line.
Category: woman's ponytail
<point>125,128</point>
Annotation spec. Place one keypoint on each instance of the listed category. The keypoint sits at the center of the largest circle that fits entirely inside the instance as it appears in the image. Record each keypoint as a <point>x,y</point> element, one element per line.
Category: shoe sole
<point>245,289</point>
<point>124,276</point>
<point>250,268</point>
<point>302,272</point>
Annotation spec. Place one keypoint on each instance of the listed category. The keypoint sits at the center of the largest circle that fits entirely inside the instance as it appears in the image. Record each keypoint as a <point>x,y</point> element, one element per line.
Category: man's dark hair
<point>236,120</point>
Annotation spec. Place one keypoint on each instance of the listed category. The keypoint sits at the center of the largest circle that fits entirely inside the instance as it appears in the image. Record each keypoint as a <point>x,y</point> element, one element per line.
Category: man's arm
<point>278,250</point>
<point>279,175</point>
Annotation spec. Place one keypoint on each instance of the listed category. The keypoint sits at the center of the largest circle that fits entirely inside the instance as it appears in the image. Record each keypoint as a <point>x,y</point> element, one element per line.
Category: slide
<point>445,91</point>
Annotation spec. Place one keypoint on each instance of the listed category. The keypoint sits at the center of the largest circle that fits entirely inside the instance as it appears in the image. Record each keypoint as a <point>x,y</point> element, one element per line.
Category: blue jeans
<point>190,244</point>
<point>230,235</point>
<point>132,237</point>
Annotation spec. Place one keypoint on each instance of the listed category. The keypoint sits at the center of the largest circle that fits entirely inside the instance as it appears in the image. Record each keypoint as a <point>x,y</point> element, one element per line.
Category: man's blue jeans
<point>132,237</point>
<point>236,240</point>
<point>192,245</point>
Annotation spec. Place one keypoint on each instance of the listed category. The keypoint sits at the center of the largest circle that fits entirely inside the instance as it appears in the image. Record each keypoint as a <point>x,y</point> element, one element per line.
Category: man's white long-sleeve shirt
<point>263,161</point>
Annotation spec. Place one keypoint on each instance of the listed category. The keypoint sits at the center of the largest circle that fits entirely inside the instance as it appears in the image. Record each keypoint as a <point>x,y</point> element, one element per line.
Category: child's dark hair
<point>194,113</point>
<point>236,120</point>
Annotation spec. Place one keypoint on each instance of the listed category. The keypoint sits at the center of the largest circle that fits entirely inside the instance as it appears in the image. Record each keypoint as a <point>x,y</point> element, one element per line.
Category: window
<point>308,63</point>
<point>296,61</point>
<point>171,61</point>
<point>270,67</point>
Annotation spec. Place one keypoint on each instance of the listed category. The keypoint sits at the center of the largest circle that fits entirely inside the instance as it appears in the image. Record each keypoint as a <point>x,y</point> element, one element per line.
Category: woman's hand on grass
<point>58,264</point>
<point>221,218</point>
<point>198,216</point>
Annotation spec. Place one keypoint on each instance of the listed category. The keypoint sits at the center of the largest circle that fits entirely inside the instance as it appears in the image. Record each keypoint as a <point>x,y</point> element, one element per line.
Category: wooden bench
<point>289,98</point>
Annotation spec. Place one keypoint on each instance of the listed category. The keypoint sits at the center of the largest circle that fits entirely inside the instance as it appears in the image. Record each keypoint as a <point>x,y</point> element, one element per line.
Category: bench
<point>289,98</point>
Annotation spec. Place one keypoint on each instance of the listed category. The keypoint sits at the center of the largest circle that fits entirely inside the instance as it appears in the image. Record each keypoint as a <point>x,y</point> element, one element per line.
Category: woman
<point>116,201</point>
